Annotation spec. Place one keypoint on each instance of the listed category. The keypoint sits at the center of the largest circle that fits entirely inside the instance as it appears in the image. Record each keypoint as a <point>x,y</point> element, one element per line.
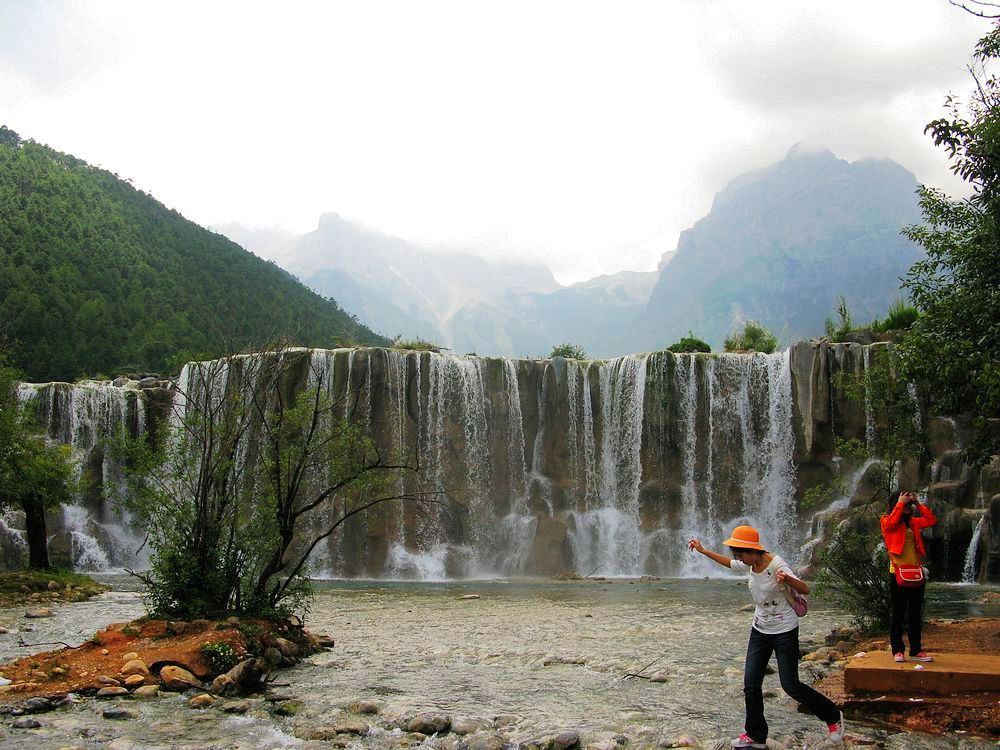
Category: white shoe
<point>837,730</point>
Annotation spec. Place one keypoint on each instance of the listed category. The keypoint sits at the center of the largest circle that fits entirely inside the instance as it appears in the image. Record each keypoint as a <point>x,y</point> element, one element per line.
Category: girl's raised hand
<point>696,545</point>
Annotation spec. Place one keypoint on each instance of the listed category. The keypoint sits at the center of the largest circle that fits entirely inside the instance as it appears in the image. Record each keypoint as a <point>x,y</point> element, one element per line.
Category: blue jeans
<point>785,647</point>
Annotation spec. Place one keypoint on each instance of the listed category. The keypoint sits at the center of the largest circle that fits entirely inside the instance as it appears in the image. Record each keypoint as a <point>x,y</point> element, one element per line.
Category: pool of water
<point>552,655</point>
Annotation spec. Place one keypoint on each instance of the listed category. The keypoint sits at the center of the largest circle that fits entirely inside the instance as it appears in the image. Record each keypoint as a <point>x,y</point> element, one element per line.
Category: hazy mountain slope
<point>97,277</point>
<point>396,286</point>
<point>780,245</point>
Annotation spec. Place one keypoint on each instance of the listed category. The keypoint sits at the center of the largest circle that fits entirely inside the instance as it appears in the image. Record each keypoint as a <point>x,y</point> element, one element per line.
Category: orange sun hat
<point>745,537</point>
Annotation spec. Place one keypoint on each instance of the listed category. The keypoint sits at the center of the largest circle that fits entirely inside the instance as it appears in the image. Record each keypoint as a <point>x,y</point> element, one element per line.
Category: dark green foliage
<point>569,351</point>
<point>753,337</point>
<point>901,317</point>
<point>953,348</point>
<point>96,276</point>
<point>689,344</point>
<point>854,573</point>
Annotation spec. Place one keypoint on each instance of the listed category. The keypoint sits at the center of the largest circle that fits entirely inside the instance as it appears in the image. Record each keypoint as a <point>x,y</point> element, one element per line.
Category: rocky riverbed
<point>477,665</point>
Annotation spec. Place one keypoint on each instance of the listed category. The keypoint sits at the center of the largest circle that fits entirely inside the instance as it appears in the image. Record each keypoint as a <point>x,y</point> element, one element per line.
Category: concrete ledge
<point>948,673</point>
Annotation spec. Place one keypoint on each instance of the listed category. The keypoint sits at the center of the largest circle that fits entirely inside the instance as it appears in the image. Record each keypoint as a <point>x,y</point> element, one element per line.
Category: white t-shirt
<point>773,613</point>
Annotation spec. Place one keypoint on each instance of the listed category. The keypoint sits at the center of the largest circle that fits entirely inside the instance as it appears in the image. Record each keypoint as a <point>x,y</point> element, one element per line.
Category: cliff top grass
<point>17,587</point>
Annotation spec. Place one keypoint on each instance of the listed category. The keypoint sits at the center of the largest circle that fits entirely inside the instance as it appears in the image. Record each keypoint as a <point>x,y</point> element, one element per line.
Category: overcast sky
<point>585,135</point>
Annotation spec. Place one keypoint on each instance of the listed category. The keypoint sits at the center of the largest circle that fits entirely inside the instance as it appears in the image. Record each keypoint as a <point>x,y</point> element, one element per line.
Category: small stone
<point>238,707</point>
<point>287,708</point>
<point>26,722</point>
<point>566,740</point>
<point>53,586</point>
<point>506,720</point>
<point>38,613</point>
<point>662,676</point>
<point>57,672</point>
<point>429,723</point>
<point>486,741</point>
<point>470,725</point>
<point>178,678</point>
<point>105,680</point>
<point>121,744</point>
<point>468,597</point>
<point>747,608</point>
<point>104,652</point>
<point>111,692</point>
<point>135,667</point>
<point>117,713</point>
<point>134,680</point>
<point>363,707</point>
<point>146,691</point>
<point>3,630</point>
<point>38,705</point>
<point>352,726</point>
<point>130,656</point>
<point>286,647</point>
<point>202,701</point>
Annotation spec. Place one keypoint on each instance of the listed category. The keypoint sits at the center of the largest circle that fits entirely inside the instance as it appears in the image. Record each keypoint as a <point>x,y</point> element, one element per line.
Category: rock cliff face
<point>549,466</point>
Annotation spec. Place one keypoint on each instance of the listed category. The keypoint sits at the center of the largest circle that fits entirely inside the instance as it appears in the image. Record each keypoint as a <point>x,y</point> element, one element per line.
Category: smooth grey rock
<point>566,740</point>
<point>470,725</point>
<point>26,722</point>
<point>38,705</point>
<point>118,713</point>
<point>111,692</point>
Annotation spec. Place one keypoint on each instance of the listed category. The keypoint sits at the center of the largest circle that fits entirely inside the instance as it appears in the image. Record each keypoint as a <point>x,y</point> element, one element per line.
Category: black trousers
<point>907,604</point>
<point>785,647</point>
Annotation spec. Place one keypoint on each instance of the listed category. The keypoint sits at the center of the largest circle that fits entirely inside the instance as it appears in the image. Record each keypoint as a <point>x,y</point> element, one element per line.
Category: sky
<point>583,135</point>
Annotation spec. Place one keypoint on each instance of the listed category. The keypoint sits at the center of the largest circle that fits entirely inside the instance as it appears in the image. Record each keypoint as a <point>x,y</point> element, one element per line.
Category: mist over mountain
<point>779,245</point>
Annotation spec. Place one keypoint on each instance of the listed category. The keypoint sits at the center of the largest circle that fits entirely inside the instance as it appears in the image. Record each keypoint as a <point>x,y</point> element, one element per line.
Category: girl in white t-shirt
<point>775,629</point>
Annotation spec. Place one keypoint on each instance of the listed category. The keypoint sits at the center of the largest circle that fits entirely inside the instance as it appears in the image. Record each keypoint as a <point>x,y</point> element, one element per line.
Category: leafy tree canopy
<point>98,277</point>
<point>953,348</point>
<point>689,343</point>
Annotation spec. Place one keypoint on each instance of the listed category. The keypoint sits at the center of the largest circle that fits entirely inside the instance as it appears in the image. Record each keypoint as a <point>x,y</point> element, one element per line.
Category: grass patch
<point>18,585</point>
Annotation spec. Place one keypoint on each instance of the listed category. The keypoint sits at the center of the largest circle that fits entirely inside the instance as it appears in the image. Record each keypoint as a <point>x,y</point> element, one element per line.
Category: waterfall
<point>969,568</point>
<point>866,358</point>
<point>607,538</point>
<point>101,534</point>
<point>606,466</point>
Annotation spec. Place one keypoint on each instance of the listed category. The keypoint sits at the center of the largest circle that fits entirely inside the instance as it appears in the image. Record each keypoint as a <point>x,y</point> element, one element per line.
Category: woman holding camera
<point>901,531</point>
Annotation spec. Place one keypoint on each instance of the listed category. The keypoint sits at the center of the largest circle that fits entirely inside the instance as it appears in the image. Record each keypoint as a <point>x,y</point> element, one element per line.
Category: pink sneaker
<point>922,656</point>
<point>745,740</point>
<point>899,657</point>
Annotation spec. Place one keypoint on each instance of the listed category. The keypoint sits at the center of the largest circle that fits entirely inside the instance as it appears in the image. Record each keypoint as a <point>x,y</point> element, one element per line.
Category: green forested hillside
<point>98,277</point>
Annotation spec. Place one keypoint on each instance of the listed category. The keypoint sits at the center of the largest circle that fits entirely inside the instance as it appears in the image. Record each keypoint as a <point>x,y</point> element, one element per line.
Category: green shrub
<point>900,318</point>
<point>854,574</point>
<point>753,337</point>
<point>689,344</point>
<point>220,655</point>
<point>569,351</point>
<point>838,330</point>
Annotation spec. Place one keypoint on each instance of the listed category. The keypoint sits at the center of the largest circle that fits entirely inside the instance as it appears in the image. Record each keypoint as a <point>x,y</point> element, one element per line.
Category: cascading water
<point>548,466</point>
<point>969,568</point>
<point>101,535</point>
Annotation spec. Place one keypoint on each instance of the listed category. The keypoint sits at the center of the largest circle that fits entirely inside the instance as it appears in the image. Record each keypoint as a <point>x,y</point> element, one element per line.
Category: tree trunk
<point>34,524</point>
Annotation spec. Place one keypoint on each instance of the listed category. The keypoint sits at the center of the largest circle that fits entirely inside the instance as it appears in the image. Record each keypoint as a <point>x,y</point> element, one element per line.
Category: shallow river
<point>551,654</point>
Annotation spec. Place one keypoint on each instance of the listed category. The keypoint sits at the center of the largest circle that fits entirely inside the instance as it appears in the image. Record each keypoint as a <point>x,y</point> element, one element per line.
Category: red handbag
<point>909,575</point>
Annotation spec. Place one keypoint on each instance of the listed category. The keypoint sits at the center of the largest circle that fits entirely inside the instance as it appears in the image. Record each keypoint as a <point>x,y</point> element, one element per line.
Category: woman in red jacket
<point>901,531</point>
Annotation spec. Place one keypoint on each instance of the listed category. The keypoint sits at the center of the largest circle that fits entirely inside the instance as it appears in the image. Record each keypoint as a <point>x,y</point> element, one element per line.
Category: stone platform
<point>876,672</point>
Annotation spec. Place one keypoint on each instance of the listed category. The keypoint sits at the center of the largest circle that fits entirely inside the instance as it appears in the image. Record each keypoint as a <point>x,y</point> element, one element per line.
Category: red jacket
<point>894,531</point>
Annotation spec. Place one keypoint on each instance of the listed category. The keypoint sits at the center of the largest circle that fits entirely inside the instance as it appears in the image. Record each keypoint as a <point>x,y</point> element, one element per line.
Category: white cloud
<point>583,134</point>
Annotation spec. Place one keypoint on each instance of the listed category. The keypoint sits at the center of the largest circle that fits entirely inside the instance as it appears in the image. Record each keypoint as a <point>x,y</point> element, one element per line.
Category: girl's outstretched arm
<point>697,547</point>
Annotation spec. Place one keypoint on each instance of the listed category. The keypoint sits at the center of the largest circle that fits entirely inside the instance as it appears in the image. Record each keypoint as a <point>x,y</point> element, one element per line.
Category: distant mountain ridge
<point>98,277</point>
<point>779,245</point>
